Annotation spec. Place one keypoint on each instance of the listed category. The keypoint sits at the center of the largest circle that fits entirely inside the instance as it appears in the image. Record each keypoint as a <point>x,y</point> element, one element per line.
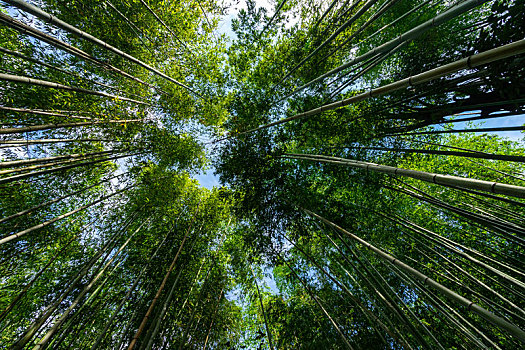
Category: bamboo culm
<point>51,332</point>
<point>445,180</point>
<point>154,329</point>
<point>468,154</point>
<point>39,35</point>
<point>60,217</point>
<point>339,30</point>
<point>28,169</point>
<point>33,128</point>
<point>470,305</point>
<point>383,293</point>
<point>159,291</point>
<point>126,297</point>
<point>407,36</point>
<point>50,84</point>
<point>48,18</point>
<point>58,69</point>
<point>482,58</point>
<point>35,326</point>
<point>58,199</point>
<point>268,333</point>
<point>66,167</point>
<point>314,298</point>
<point>213,320</point>
<point>13,163</point>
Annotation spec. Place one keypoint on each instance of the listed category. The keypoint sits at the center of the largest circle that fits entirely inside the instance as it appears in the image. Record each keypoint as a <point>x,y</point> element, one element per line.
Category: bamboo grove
<point>370,197</point>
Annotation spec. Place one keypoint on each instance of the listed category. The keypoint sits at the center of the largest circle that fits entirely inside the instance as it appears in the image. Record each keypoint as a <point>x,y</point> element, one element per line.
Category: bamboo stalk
<point>60,217</point>
<point>382,9</point>
<point>407,36</point>
<point>165,26</point>
<point>48,18</point>
<point>367,313</point>
<point>133,27</point>
<point>58,69</point>
<point>453,246</point>
<point>325,13</point>
<point>383,293</point>
<point>268,333</point>
<point>277,10</point>
<point>29,169</point>
<point>51,332</point>
<point>159,291</point>
<point>126,297</point>
<point>470,305</point>
<point>455,318</point>
<point>58,199</point>
<point>65,167</point>
<point>45,113</point>
<point>21,143</point>
<point>468,154</point>
<point>12,163</point>
<point>4,131</point>
<point>49,84</point>
<point>316,300</point>
<point>339,30</point>
<point>37,324</point>
<point>35,277</point>
<point>194,311</point>
<point>484,130</point>
<point>39,35</point>
<point>213,320</point>
<point>155,326</point>
<point>468,183</point>
<point>482,58</point>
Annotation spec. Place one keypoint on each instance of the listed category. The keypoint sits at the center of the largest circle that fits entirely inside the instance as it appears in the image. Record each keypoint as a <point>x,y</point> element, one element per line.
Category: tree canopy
<point>369,198</point>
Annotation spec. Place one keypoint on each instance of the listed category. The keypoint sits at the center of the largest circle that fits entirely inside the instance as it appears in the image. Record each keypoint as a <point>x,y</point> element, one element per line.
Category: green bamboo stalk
<point>133,27</point>
<point>58,69</point>
<point>37,324</point>
<point>49,84</point>
<point>32,128</point>
<point>468,183</point>
<point>60,168</point>
<point>383,292</point>
<point>382,9</point>
<point>165,26</point>
<point>12,163</point>
<point>268,333</point>
<point>159,291</point>
<point>339,30</point>
<point>155,326</point>
<point>60,217</point>
<point>213,320</point>
<point>316,300</point>
<point>58,322</point>
<point>134,284</point>
<point>39,35</point>
<point>407,36</point>
<point>277,10</point>
<point>58,199</point>
<point>28,169</point>
<point>470,305</point>
<point>46,17</point>
<point>482,58</point>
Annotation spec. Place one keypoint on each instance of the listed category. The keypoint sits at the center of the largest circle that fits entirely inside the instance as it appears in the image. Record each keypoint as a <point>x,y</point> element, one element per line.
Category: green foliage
<point>105,236</point>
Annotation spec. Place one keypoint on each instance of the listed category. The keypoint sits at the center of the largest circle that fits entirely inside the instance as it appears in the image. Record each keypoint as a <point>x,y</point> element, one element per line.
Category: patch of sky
<point>207,178</point>
<point>504,121</point>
